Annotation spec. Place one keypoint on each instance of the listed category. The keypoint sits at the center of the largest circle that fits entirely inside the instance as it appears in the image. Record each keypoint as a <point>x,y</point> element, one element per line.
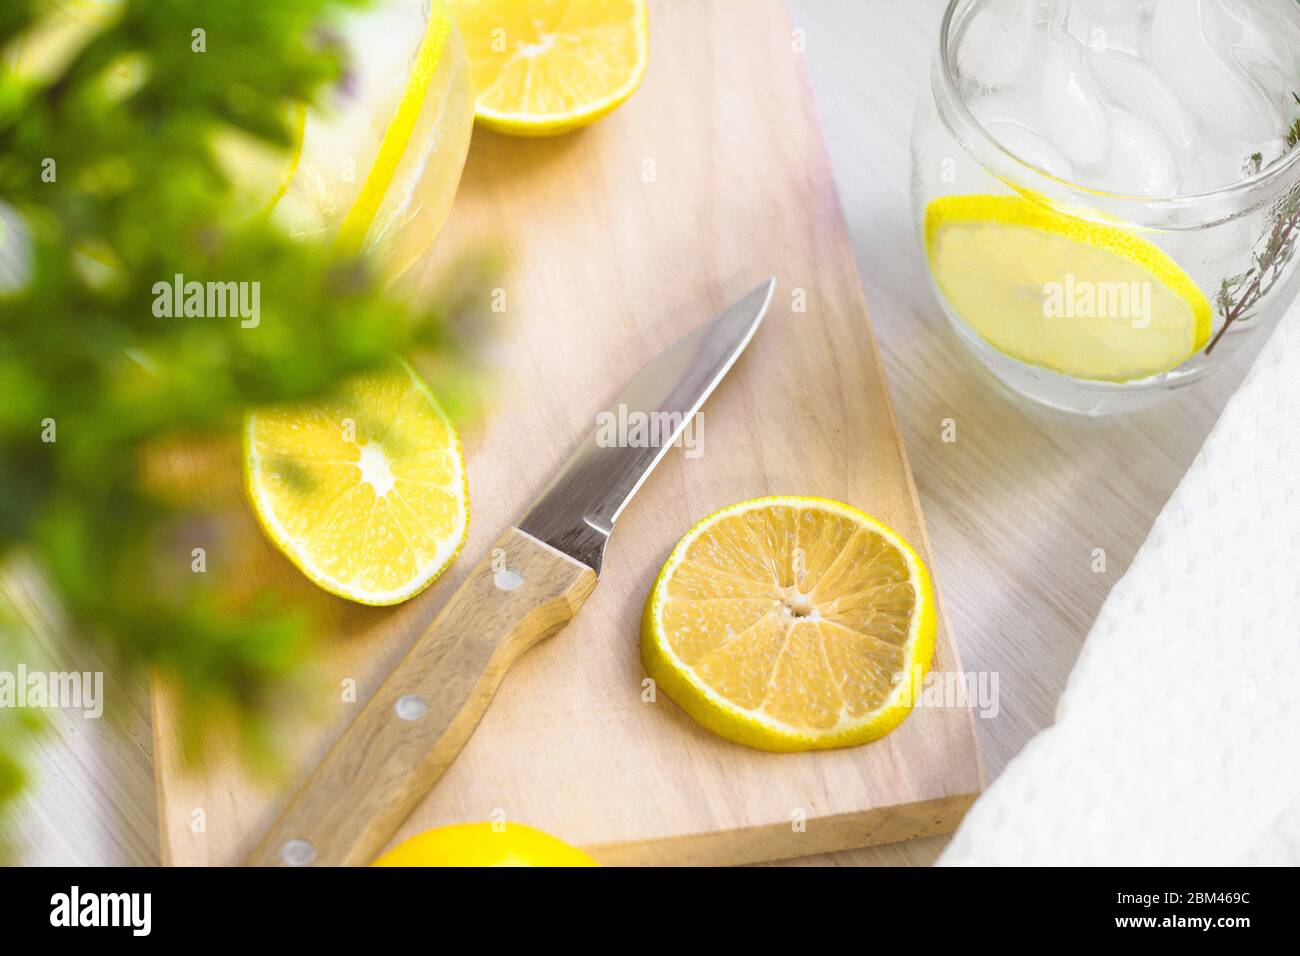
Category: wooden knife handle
<point>421,716</point>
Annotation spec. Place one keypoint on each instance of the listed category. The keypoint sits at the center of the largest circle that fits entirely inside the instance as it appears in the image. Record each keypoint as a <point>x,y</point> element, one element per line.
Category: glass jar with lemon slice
<point>1108,191</point>
<point>379,162</point>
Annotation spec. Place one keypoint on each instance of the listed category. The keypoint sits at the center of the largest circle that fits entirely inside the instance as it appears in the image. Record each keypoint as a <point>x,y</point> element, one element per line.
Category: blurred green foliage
<point>137,196</point>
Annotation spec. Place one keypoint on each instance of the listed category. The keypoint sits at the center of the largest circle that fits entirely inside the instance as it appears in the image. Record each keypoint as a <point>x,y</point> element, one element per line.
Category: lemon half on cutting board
<point>791,623</point>
<point>365,492</point>
<point>1124,310</point>
<point>546,67</point>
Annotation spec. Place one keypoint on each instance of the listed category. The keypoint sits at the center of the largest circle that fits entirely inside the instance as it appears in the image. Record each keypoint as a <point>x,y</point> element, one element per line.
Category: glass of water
<point>1108,191</point>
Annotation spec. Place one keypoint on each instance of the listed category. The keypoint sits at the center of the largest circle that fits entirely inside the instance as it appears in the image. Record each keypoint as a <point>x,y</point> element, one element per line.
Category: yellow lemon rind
<point>397,135</point>
<point>464,844</point>
<point>299,120</point>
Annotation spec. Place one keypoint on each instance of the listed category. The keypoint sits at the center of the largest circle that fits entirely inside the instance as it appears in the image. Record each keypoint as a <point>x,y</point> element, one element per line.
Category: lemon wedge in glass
<point>791,623</point>
<point>1061,293</point>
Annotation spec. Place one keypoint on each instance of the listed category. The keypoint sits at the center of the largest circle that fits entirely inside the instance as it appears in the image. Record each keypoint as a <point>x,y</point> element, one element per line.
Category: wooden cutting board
<point>620,239</point>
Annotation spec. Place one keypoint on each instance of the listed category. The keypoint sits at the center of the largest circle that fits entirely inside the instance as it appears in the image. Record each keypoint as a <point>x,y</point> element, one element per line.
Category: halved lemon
<point>791,623</point>
<point>1061,293</point>
<point>366,492</point>
<point>546,67</point>
<point>483,844</point>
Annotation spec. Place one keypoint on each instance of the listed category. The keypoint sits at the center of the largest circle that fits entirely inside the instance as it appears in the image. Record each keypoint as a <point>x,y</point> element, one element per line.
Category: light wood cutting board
<point>620,239</point>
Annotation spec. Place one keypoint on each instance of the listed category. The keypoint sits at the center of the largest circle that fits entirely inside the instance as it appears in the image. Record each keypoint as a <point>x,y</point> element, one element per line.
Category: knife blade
<point>528,586</point>
<point>577,511</point>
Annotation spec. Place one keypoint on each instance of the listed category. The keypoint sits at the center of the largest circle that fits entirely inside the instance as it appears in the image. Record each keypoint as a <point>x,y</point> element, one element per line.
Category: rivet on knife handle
<point>425,711</point>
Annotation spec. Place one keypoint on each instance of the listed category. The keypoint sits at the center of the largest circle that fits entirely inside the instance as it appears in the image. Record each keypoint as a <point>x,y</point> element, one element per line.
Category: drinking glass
<point>1108,191</point>
<point>393,134</point>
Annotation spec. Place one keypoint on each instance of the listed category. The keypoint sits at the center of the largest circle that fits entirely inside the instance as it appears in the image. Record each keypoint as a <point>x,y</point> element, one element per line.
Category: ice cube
<point>1101,25</point>
<point>1268,33</point>
<point>1191,47</point>
<point>1073,115</point>
<point>1006,106</point>
<point>1126,83</point>
<point>997,44</point>
<point>1268,50</point>
<point>1140,162</point>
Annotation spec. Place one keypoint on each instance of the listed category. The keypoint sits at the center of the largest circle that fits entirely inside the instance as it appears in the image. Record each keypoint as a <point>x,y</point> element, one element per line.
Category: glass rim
<point>1089,196</point>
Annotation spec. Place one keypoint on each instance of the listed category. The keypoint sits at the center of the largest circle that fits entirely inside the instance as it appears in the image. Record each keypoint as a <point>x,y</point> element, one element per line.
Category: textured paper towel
<point>1177,740</point>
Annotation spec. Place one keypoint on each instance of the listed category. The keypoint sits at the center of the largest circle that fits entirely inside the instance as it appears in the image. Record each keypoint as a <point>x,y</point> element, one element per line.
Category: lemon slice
<point>365,493</point>
<point>541,69</point>
<point>1060,293</point>
<point>791,623</point>
<point>483,844</point>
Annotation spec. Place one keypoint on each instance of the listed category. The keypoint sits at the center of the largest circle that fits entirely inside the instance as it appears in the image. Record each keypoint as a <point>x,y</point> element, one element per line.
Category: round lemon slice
<point>1057,292</point>
<point>366,492</point>
<point>790,623</point>
<point>541,69</point>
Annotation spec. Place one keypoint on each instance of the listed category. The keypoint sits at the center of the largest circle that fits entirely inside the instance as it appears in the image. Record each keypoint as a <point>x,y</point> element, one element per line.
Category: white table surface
<point>1015,507</point>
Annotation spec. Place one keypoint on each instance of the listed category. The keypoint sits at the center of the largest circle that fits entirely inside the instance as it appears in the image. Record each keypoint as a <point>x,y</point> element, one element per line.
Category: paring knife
<point>528,587</point>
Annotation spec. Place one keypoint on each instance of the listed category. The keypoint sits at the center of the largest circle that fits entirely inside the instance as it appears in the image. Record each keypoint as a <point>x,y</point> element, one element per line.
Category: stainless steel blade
<point>577,511</point>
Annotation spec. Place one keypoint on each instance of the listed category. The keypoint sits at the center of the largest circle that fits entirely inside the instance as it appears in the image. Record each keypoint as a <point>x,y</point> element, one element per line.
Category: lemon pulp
<point>1060,293</point>
<point>545,68</point>
<point>791,623</point>
<point>365,492</point>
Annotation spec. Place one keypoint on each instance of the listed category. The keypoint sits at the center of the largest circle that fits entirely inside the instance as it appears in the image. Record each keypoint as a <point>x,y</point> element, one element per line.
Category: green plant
<point>1239,294</point>
<point>109,185</point>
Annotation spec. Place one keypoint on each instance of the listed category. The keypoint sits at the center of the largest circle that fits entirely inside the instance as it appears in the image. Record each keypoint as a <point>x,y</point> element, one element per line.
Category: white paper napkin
<point>1177,740</point>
